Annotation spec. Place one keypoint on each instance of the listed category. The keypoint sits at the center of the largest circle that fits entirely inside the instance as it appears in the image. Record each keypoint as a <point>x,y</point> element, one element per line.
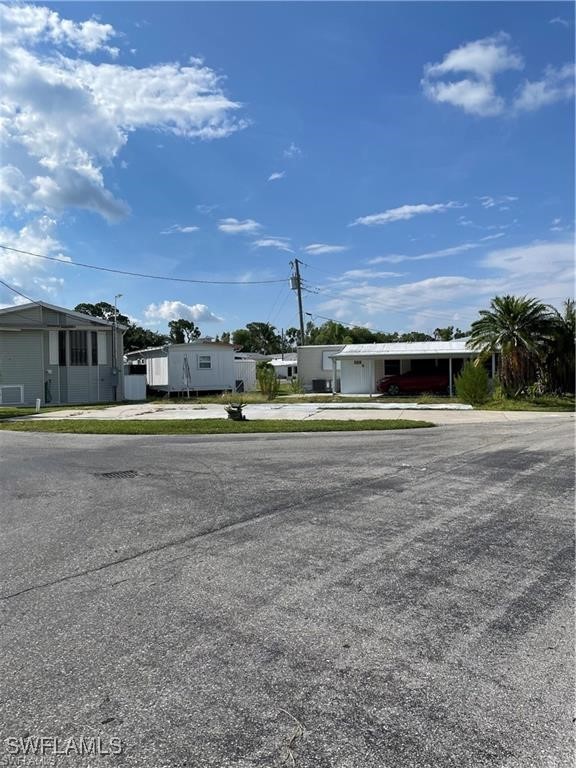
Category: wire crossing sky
<point>416,157</point>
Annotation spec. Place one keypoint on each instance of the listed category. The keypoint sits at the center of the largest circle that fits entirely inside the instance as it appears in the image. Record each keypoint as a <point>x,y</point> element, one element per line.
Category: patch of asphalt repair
<point>359,600</point>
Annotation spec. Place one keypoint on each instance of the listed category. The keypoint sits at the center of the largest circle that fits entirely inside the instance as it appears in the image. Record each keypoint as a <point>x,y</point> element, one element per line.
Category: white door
<point>357,377</point>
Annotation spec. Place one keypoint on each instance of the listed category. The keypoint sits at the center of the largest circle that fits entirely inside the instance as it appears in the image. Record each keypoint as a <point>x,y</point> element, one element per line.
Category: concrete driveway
<point>361,600</point>
<point>439,414</point>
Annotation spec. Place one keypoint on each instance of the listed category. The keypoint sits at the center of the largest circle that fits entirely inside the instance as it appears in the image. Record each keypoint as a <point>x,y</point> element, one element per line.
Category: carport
<point>363,365</point>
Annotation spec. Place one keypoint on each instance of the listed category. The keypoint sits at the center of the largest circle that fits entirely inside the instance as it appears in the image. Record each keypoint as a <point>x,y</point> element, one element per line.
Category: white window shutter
<point>53,347</point>
<point>102,351</point>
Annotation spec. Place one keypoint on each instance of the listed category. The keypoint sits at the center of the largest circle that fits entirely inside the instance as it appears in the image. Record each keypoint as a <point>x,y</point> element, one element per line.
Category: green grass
<point>544,403</point>
<point>13,411</point>
<point>206,426</point>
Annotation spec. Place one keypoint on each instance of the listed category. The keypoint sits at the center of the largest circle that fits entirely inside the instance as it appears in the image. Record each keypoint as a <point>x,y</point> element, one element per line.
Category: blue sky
<point>418,158</point>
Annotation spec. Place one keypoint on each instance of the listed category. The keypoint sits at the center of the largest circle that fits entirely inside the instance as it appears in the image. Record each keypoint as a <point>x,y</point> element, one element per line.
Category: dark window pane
<point>94,340</point>
<point>61,347</point>
<point>78,348</point>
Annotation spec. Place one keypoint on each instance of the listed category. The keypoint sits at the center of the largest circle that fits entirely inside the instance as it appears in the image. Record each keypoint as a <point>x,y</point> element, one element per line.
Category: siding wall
<point>310,364</point>
<point>219,377</point>
<point>245,370</point>
<point>21,362</point>
<point>30,358</point>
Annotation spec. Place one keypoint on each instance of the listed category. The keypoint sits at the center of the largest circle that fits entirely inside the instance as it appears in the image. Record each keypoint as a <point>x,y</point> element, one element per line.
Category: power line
<point>350,325</point>
<point>23,295</point>
<point>15,290</point>
<point>142,274</point>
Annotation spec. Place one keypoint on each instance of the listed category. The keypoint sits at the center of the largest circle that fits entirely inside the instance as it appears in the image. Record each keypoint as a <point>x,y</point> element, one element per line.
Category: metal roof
<point>406,349</point>
<point>79,315</point>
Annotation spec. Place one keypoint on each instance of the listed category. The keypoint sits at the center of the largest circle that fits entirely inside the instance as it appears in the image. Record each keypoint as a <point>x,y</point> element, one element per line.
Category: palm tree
<point>560,360</point>
<point>519,329</point>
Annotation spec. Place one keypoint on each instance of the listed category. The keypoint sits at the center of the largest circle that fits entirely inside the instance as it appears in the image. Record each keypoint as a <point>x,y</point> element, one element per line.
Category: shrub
<point>267,380</point>
<point>472,384</point>
<point>296,386</point>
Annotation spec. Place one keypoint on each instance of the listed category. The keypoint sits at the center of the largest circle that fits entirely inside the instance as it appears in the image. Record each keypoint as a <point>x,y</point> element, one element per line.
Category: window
<point>78,348</point>
<point>205,362</point>
<point>94,347</point>
<point>61,347</point>
<point>392,367</point>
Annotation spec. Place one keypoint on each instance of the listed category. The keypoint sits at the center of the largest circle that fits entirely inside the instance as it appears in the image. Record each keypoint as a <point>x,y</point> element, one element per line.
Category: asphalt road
<point>362,600</point>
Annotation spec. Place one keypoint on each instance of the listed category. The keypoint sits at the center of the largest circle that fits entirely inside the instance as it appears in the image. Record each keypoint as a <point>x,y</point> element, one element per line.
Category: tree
<point>258,337</point>
<point>135,337</point>
<point>559,361</point>
<point>329,332</point>
<point>291,339</point>
<point>141,338</point>
<point>519,329</point>
<point>225,338</point>
<point>183,331</point>
<point>415,336</point>
<point>103,310</point>
<point>448,333</point>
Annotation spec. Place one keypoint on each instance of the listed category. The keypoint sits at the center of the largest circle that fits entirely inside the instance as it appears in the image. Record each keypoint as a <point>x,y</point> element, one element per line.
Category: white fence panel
<point>135,387</point>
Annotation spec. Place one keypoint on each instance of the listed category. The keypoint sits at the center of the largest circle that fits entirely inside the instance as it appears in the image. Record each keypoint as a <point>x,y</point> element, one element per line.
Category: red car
<point>414,382</point>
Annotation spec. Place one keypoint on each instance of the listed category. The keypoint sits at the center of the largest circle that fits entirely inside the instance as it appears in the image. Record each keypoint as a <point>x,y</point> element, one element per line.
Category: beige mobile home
<point>58,356</point>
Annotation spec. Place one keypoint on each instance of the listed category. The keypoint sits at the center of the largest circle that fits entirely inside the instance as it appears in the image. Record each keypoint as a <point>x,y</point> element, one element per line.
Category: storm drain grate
<point>122,473</point>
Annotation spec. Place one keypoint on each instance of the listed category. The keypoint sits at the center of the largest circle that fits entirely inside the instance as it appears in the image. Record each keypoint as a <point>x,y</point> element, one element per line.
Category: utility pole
<point>115,346</point>
<point>296,285</point>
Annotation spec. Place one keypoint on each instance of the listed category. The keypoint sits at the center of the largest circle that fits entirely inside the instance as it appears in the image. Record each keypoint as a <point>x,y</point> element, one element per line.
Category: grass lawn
<point>13,411</point>
<point>543,403</point>
<point>206,426</point>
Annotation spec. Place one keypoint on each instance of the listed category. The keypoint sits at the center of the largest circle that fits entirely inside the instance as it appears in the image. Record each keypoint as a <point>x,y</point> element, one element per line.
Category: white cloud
<point>177,228</point>
<point>206,209</point>
<point>23,24</point>
<point>475,91</point>
<point>473,96</point>
<point>292,151</point>
<point>280,243</point>
<point>483,58</point>
<point>558,226</point>
<point>37,236</point>
<point>317,249</point>
<point>495,236</point>
<point>276,175</point>
<point>235,226</point>
<point>551,259</point>
<point>556,85</point>
<point>490,202</point>
<point>64,119</point>
<point>398,258</point>
<point>175,310</point>
<point>403,213</point>
<point>544,270</point>
<point>365,274</point>
<point>559,20</point>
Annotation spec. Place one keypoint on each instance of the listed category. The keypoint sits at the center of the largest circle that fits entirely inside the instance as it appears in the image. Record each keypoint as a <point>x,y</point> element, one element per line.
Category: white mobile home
<point>286,367</point>
<point>203,366</point>
<point>58,356</point>
<point>357,368</point>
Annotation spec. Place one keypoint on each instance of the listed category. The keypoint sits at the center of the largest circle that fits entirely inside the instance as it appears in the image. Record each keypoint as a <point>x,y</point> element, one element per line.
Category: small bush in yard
<point>296,386</point>
<point>267,380</point>
<point>472,384</point>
